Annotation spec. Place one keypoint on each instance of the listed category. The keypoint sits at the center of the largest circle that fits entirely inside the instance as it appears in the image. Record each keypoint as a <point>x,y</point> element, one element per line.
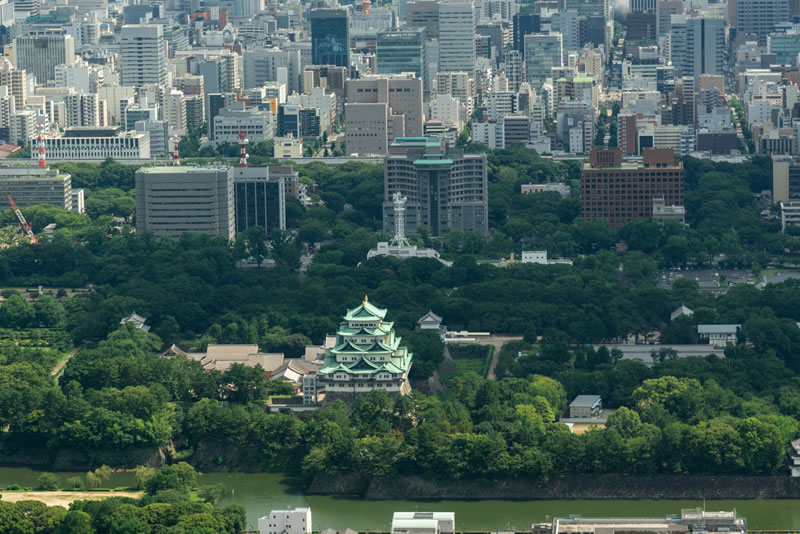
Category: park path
<point>58,368</point>
<point>497,342</point>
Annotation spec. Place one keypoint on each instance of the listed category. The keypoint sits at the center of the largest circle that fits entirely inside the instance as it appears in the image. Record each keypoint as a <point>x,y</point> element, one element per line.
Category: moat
<point>260,492</point>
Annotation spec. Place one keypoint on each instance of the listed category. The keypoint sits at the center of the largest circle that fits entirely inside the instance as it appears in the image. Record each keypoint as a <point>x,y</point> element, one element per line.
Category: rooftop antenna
<point>176,157</point>
<point>243,149</point>
<point>399,238</point>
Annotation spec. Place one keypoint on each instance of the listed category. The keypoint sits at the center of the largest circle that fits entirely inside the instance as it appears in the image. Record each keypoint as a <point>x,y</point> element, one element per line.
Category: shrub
<point>47,482</point>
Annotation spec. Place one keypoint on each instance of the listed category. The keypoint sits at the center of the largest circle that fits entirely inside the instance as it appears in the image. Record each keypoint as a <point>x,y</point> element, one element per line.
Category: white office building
<point>457,36</point>
<point>423,523</point>
<point>97,144</point>
<point>143,55</point>
<point>255,124</point>
<point>297,521</point>
<point>41,50</point>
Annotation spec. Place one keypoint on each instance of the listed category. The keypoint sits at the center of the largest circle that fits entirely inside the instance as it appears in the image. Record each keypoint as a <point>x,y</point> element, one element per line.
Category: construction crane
<point>22,222</point>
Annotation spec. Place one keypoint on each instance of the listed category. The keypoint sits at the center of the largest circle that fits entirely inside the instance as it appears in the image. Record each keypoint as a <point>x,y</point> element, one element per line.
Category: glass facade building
<point>401,51</point>
<point>330,37</point>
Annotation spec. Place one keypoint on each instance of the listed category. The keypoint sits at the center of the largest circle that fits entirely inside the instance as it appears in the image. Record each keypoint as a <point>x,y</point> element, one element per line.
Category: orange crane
<point>22,222</point>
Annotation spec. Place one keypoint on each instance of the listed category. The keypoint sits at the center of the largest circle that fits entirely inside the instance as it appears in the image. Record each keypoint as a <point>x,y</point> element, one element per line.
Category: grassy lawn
<point>466,365</point>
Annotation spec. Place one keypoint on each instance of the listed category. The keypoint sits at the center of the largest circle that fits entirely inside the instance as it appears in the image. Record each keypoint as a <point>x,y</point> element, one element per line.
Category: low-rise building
<point>690,521</point>
<point>790,214</point>
<point>718,335</point>
<point>230,122</point>
<point>540,257</point>
<point>287,147</point>
<point>662,212</point>
<point>296,521</point>
<point>29,185</point>
<point>585,407</point>
<point>562,189</point>
<point>97,144</point>
<point>423,523</point>
<point>221,357</point>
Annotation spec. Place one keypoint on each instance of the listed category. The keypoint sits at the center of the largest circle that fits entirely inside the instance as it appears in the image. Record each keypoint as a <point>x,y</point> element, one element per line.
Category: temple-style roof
<point>365,311</point>
<point>382,330</point>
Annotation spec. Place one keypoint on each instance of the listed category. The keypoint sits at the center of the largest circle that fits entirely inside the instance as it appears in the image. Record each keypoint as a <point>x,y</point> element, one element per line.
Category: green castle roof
<point>365,311</point>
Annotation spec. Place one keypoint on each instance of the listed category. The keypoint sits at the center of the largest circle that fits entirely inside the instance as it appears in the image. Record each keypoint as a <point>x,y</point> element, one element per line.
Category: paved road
<point>497,342</point>
<point>62,363</point>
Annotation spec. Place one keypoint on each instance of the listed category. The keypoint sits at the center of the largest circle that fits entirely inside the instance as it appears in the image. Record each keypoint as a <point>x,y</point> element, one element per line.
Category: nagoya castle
<point>367,356</point>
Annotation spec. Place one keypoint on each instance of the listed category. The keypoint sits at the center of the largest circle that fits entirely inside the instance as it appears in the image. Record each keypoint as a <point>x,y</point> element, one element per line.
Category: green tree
<point>15,312</point>
<point>47,482</point>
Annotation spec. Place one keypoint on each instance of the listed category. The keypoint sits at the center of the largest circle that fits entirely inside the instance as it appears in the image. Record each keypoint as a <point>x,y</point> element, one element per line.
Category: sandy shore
<point>64,498</point>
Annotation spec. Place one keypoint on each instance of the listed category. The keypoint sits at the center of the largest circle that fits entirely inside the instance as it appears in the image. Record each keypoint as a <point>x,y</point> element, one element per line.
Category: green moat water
<point>261,492</point>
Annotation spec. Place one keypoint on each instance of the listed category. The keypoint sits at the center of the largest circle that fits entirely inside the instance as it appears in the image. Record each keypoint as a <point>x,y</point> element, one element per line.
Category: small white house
<point>717,335</point>
<point>297,521</point>
<point>423,523</point>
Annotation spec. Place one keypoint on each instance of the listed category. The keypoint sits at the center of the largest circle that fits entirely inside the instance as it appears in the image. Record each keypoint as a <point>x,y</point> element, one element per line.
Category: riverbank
<point>64,498</point>
<point>574,487</point>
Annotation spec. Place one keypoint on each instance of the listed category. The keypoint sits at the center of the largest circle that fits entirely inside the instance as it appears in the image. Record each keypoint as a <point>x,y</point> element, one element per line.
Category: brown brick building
<point>622,192</point>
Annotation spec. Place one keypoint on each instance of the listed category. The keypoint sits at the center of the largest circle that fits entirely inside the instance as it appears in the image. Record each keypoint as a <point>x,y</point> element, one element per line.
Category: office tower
<point>159,136</point>
<point>17,82</point>
<point>664,11</point>
<point>524,24</point>
<point>567,23</point>
<point>29,186</point>
<point>260,199</point>
<point>40,51</point>
<point>379,109</point>
<point>697,45</point>
<point>330,37</point>
<point>513,69</point>
<point>542,53</point>
<point>459,85</point>
<point>143,55</point>
<point>642,6</point>
<point>195,112</point>
<point>84,110</point>
<point>497,35</point>
<point>445,188</point>
<point>171,201</point>
<point>785,46</point>
<point>175,111</point>
<point>424,14</point>
<point>759,17</point>
<point>457,36</point>
<point>145,110</point>
<point>399,51</point>
<point>26,8</point>
<point>263,65</point>
<point>621,192</point>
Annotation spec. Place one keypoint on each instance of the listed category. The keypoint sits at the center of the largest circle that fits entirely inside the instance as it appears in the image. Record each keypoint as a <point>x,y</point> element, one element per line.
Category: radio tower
<point>399,238</point>
<point>243,149</point>
<point>176,157</point>
<point>41,128</point>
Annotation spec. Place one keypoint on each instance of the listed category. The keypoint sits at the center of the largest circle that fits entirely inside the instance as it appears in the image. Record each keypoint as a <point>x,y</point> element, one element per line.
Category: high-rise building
<point>543,51</point>
<point>159,136</point>
<point>513,69</point>
<point>445,188</point>
<point>457,36</point>
<point>785,46</point>
<point>40,51</point>
<point>759,17</point>
<point>380,109</point>
<point>621,192</point>
<point>697,45</point>
<point>260,199</point>
<point>664,11</point>
<point>524,24</point>
<point>330,37</point>
<point>399,51</point>
<point>171,201</point>
<point>84,110</point>
<point>143,55</point>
